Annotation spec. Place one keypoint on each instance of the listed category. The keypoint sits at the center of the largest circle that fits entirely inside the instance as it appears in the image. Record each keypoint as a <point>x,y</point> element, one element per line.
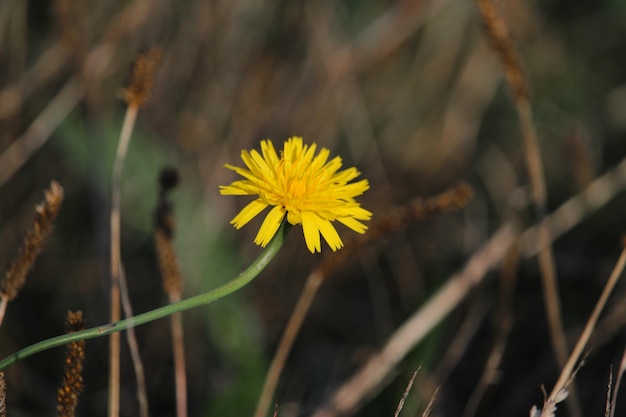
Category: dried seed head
<point>3,396</point>
<point>498,34</point>
<point>142,75</point>
<point>45,214</point>
<point>67,396</point>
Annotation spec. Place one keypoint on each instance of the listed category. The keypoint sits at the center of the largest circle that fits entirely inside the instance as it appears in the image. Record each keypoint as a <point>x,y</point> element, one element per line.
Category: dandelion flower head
<point>305,188</point>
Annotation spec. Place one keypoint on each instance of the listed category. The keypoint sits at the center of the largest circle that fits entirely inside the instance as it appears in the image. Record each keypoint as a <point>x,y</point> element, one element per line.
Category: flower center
<point>296,188</point>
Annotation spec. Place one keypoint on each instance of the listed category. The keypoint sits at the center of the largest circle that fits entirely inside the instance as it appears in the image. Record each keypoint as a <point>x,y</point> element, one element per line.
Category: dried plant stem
<point>609,401</point>
<point>405,395</point>
<point>119,290</point>
<point>505,324</point>
<point>4,301</point>
<point>566,372</point>
<point>131,337</point>
<point>497,32</point>
<point>230,287</point>
<point>574,210</point>
<point>47,66</point>
<point>20,151</point>
<point>618,383</point>
<point>180,374</point>
<point>547,266</point>
<point>350,395</point>
<point>311,286</point>
<point>431,403</point>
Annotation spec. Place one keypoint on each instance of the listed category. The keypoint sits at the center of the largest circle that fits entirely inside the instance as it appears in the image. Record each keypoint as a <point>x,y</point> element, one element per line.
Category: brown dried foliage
<point>45,214</point>
<point>397,219</point>
<point>67,396</point>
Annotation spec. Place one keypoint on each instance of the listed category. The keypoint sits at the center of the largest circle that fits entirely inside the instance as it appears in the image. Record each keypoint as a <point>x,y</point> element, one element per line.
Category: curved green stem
<point>230,287</point>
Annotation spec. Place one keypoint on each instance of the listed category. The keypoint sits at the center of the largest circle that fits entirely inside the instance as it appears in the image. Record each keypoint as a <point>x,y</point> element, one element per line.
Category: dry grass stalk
<point>607,406</point>
<point>381,227</point>
<point>20,151</point>
<point>172,282</point>
<point>45,214</point>
<point>405,395</point>
<point>67,395</point>
<point>136,93</point>
<point>3,396</point>
<point>463,335</point>
<point>431,403</point>
<point>47,66</point>
<point>369,379</point>
<point>618,383</point>
<point>568,370</point>
<point>117,280</point>
<point>505,324</point>
<point>498,33</point>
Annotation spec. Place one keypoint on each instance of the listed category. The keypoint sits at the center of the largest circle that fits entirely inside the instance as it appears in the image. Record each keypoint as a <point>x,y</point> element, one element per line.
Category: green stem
<point>203,299</point>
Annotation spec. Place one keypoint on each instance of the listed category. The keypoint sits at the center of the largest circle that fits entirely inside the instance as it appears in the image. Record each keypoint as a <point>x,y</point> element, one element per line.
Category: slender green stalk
<point>203,299</point>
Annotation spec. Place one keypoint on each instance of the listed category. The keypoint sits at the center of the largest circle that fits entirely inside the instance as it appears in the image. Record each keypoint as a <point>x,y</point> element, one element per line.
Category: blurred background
<point>407,91</point>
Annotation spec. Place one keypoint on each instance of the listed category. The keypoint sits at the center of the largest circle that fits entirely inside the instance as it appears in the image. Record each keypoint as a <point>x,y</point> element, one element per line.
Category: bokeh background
<point>408,91</point>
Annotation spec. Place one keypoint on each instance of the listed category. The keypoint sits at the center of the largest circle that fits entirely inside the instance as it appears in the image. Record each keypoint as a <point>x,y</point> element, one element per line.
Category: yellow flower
<point>304,187</point>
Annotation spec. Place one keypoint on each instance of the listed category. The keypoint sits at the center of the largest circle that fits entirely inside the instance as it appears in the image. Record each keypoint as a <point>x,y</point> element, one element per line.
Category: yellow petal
<point>270,226</point>
<point>311,232</point>
<point>353,224</point>
<point>269,153</point>
<point>248,213</point>
<point>330,234</point>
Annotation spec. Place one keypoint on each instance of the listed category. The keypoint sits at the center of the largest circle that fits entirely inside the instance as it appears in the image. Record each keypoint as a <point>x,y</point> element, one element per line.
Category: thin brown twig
<point>596,195</point>
<point>462,338</point>
<point>47,66</point>
<point>133,347</point>
<point>311,286</point>
<point>567,371</point>
<point>431,403</point>
<point>369,379</point>
<point>405,395</point>
<point>505,324</point>
<point>39,131</point>
<point>180,376</point>
<point>609,392</point>
<point>392,29</point>
<point>116,261</point>
<point>618,383</point>
<point>137,92</point>
<point>497,32</point>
